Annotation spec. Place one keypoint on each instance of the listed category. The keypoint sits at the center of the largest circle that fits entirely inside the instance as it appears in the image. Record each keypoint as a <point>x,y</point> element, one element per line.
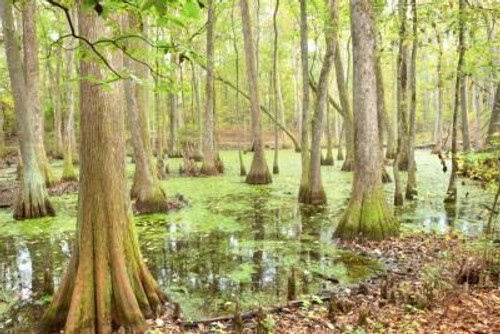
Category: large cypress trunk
<point>367,215</point>
<point>31,78</point>
<point>32,200</point>
<point>146,190</point>
<point>259,171</point>
<point>209,167</point>
<point>316,194</point>
<point>107,285</point>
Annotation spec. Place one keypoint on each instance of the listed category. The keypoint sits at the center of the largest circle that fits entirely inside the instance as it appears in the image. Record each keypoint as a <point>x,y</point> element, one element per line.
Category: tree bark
<point>494,126</point>
<point>329,160</point>
<point>107,284</point>
<point>69,173</point>
<point>477,103</point>
<point>58,107</point>
<point>451,194</point>
<point>146,190</point>
<point>465,114</point>
<point>440,98</point>
<point>208,167</point>
<point>31,77</point>
<point>304,136</point>
<point>367,215</point>
<point>402,90</point>
<point>243,171</point>
<point>276,89</point>
<point>259,171</point>
<point>411,184</point>
<point>384,113</point>
<point>32,200</point>
<point>315,194</point>
<point>382,116</point>
<point>348,124</point>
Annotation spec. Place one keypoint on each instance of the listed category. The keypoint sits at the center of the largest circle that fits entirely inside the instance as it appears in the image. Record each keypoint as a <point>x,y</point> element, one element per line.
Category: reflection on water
<point>233,242</point>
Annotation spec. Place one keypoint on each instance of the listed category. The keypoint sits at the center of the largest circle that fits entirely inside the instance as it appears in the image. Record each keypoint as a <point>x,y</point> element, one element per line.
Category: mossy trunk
<point>69,173</point>
<point>146,190</point>
<point>367,215</point>
<point>107,285</point>
<point>31,71</point>
<point>32,199</point>
<point>259,171</point>
<point>208,166</point>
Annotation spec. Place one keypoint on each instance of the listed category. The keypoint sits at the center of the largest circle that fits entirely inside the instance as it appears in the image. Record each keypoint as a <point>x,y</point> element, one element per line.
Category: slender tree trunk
<point>402,90</point>
<point>440,98</point>
<point>69,173</point>
<point>465,115</point>
<point>259,172</point>
<point>58,107</point>
<point>382,117</point>
<point>329,160</point>
<point>282,117</point>
<point>384,113</point>
<point>32,199</point>
<point>316,194</point>
<point>146,190</point>
<point>401,159</point>
<point>304,137</point>
<point>367,215</point>
<point>208,167</point>
<point>297,98</point>
<point>31,77</point>
<point>494,126</point>
<point>477,111</point>
<point>173,149</point>
<point>340,154</point>
<point>107,284</point>
<point>243,171</point>
<point>276,88</point>
<point>344,102</point>
<point>451,195</point>
<point>411,184</point>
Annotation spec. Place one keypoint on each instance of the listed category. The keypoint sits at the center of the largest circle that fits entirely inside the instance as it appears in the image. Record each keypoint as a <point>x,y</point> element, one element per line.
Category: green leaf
<point>191,9</point>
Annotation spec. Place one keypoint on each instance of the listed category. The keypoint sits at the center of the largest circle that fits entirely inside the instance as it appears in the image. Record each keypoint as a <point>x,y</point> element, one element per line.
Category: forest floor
<point>433,283</point>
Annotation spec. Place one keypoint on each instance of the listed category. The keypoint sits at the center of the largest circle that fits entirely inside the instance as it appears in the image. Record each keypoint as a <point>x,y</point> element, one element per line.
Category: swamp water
<point>233,241</point>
